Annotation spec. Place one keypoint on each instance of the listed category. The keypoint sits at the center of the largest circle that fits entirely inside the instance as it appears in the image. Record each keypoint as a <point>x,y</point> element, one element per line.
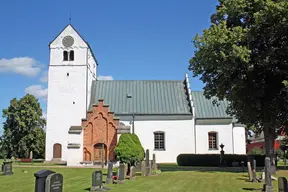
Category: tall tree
<point>243,57</point>
<point>23,128</point>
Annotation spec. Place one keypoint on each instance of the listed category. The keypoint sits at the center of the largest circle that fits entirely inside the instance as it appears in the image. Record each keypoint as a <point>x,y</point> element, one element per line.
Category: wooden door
<point>99,153</point>
<point>57,151</point>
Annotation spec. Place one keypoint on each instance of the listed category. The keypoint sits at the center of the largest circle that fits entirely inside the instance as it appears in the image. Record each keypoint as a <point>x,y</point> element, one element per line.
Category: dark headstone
<point>268,179</point>
<point>40,179</point>
<point>54,183</point>
<point>109,173</point>
<point>154,166</point>
<point>282,184</point>
<point>254,171</point>
<point>97,181</point>
<point>242,165</point>
<point>147,163</point>
<point>7,168</point>
<point>122,174</point>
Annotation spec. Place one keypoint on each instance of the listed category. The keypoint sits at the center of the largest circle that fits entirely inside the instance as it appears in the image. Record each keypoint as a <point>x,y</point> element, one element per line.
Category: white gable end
<point>68,31</point>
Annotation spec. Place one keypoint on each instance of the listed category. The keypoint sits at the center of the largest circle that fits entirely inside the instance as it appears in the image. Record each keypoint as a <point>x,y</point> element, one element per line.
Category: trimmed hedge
<point>214,159</point>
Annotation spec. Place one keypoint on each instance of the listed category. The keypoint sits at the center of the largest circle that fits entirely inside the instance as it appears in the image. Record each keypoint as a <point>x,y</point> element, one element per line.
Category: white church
<point>86,116</point>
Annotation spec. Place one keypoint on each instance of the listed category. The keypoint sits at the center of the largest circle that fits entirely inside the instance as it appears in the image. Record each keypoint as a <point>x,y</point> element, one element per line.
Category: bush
<point>140,148</point>
<point>214,159</point>
<point>129,149</point>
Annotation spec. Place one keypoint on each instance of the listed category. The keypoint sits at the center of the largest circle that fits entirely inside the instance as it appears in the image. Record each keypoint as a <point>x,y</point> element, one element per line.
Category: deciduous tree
<point>243,58</point>
<point>23,128</point>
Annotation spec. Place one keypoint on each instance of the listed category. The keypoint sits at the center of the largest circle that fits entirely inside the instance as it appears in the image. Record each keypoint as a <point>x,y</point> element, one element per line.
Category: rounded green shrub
<point>129,149</point>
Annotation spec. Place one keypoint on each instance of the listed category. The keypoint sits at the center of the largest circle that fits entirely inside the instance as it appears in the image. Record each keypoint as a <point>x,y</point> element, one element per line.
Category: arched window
<point>65,56</point>
<point>159,140</point>
<point>213,140</point>
<point>71,56</point>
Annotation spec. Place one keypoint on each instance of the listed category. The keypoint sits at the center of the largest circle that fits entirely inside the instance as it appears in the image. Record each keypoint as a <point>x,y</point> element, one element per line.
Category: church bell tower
<point>72,68</point>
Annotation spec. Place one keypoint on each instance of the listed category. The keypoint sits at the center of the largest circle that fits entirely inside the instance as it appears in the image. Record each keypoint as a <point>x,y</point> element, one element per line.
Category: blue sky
<point>131,39</point>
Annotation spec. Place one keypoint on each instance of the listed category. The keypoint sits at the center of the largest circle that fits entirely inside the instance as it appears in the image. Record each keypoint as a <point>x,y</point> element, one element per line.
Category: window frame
<point>216,140</point>
<point>158,148</point>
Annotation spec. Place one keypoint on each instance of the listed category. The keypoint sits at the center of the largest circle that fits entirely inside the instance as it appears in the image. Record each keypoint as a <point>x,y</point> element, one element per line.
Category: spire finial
<point>70,18</point>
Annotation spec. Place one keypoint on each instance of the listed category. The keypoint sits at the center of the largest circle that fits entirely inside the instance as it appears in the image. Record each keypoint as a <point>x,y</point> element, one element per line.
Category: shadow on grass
<point>252,189</point>
<point>88,189</point>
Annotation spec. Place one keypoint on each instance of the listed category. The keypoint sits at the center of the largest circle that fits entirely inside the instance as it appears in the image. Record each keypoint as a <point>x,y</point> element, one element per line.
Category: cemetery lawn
<point>79,180</point>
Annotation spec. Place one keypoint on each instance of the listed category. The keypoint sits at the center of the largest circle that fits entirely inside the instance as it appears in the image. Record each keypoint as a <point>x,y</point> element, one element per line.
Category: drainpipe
<point>133,119</point>
<point>232,138</point>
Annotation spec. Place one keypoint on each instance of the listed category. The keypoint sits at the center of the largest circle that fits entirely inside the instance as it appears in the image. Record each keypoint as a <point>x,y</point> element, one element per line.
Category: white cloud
<point>21,65</point>
<point>105,78</point>
<point>38,91</point>
<point>44,77</point>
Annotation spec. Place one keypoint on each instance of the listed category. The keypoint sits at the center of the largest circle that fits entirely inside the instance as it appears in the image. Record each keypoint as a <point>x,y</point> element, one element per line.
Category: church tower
<point>72,69</point>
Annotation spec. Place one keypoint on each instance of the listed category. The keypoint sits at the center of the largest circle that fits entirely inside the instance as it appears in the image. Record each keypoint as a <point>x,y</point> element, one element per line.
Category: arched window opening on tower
<point>71,56</point>
<point>65,56</point>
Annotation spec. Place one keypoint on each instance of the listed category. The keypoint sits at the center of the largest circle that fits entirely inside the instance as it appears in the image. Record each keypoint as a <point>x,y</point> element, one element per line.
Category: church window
<point>71,56</point>
<point>159,140</point>
<point>65,56</point>
<point>212,140</point>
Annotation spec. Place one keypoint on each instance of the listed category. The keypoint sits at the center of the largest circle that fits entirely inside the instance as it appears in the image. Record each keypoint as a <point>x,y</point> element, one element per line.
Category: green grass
<point>79,180</point>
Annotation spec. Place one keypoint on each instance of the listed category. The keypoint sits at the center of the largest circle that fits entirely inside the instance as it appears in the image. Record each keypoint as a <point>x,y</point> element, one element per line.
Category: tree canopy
<point>23,128</point>
<point>242,57</point>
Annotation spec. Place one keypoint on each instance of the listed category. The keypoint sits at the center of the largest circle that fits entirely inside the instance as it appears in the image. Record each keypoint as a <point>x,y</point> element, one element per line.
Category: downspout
<point>195,135</point>
<point>133,119</point>
<point>232,138</point>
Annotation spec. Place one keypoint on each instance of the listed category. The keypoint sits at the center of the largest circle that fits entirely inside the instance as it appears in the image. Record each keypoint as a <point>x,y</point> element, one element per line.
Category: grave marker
<point>268,179</point>
<point>282,184</point>
<point>143,168</point>
<point>97,181</point>
<point>249,171</point>
<point>7,168</point>
<point>132,173</point>
<point>54,183</point>
<point>121,177</point>
<point>147,163</point>
<point>40,180</point>
<point>109,173</point>
<point>254,171</point>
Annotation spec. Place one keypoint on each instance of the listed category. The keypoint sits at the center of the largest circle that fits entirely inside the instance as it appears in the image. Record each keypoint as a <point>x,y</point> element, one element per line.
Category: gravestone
<point>268,180</point>
<point>54,183</point>
<point>121,176</point>
<point>249,171</point>
<point>242,165</point>
<point>154,165</point>
<point>125,169</point>
<point>282,184</point>
<point>40,180</point>
<point>132,173</point>
<point>254,171</point>
<point>7,168</point>
<point>109,173</point>
<point>97,181</point>
<point>147,163</point>
<point>143,168</point>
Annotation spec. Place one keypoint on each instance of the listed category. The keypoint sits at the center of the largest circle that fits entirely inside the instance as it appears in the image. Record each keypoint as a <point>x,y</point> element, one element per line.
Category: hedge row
<point>214,159</point>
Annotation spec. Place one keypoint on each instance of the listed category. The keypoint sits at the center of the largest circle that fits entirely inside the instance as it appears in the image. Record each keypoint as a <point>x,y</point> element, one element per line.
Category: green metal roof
<point>204,108</point>
<point>145,97</point>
